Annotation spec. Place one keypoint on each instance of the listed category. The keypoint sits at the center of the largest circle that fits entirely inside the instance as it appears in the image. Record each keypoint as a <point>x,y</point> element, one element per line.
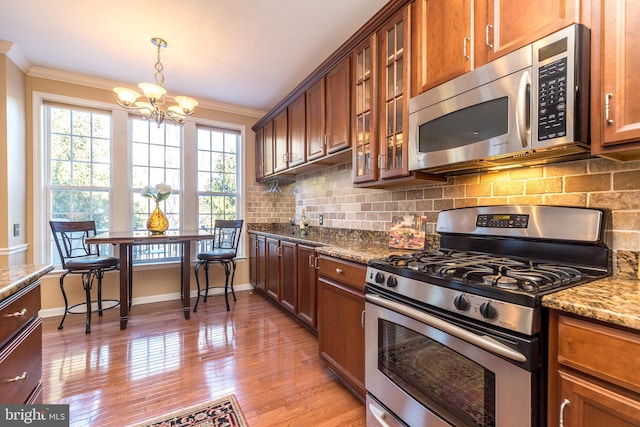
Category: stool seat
<point>221,249</point>
<point>78,257</point>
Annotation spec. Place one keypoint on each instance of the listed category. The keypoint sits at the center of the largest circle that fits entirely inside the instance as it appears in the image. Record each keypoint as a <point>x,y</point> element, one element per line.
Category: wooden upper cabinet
<point>267,148</point>
<point>442,46</point>
<point>502,26</point>
<point>315,120</point>
<point>297,132</point>
<point>280,143</point>
<point>615,82</point>
<point>393,54</point>
<point>260,153</point>
<point>337,104</point>
<point>364,110</point>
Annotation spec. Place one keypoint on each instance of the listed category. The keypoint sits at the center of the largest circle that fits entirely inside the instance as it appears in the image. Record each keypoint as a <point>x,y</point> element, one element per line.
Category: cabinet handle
<point>362,319</point>
<point>564,403</point>
<point>380,161</point>
<point>607,97</point>
<point>465,42</point>
<point>279,250</point>
<point>338,271</point>
<point>486,36</point>
<point>20,313</point>
<point>285,157</point>
<point>17,379</point>
<point>311,263</point>
<point>316,263</point>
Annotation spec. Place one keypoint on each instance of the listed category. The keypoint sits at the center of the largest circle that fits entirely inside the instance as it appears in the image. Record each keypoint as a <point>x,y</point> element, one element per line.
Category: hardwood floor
<point>163,362</point>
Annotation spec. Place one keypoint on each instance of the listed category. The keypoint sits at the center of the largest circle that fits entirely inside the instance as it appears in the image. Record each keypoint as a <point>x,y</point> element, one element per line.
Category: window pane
<point>79,171</point>
<point>217,175</point>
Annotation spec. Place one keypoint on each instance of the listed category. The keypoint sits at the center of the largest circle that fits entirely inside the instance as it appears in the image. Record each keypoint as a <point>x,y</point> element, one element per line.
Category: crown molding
<point>13,53</point>
<point>98,83</point>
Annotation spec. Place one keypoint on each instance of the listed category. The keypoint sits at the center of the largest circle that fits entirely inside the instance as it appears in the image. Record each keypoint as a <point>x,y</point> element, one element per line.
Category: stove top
<point>495,263</point>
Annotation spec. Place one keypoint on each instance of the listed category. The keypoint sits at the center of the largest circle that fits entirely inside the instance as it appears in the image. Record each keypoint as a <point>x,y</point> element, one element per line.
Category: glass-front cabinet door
<point>365,149</point>
<point>393,42</point>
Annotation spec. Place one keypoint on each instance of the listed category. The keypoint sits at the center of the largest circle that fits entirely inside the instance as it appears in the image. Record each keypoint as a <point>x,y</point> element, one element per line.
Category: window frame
<point>121,208</point>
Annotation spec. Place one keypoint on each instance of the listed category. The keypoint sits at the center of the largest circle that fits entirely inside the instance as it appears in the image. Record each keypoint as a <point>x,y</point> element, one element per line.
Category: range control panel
<point>502,220</point>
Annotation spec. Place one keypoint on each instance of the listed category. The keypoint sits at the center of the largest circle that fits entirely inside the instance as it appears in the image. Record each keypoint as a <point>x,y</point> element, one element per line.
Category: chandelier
<point>152,109</point>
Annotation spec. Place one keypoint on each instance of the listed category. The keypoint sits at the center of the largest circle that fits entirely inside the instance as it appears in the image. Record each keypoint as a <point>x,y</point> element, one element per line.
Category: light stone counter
<point>16,277</point>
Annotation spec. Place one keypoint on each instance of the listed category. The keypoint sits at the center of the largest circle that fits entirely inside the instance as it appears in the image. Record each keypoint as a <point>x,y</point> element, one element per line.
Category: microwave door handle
<point>483,341</point>
<point>523,110</point>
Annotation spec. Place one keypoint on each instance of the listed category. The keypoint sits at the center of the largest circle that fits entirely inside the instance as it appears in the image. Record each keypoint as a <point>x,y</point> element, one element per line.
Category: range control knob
<point>488,311</point>
<point>392,282</point>
<point>379,277</point>
<point>461,303</point>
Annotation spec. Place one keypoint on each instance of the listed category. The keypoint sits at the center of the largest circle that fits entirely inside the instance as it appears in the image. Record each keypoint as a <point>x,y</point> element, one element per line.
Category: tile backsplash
<point>596,183</point>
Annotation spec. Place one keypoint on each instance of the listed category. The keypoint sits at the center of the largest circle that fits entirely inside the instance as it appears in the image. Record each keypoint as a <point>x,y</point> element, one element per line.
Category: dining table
<point>125,242</point>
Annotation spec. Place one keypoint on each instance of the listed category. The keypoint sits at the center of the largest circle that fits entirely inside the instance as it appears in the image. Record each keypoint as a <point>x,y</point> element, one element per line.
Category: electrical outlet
<point>321,219</point>
<point>16,230</point>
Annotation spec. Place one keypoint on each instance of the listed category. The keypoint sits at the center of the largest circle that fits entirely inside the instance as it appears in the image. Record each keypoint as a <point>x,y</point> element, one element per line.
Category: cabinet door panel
<point>288,276</point>
<point>280,143</point>
<point>316,120</point>
<point>272,286</point>
<point>297,132</point>
<point>513,24</point>
<point>307,293</point>
<point>442,48</point>
<point>592,405</point>
<point>365,148</point>
<point>338,106</point>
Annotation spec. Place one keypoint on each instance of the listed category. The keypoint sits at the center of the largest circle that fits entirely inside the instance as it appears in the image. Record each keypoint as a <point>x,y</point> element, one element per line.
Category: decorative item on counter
<point>157,222</point>
<point>304,225</point>
<point>292,223</point>
<point>408,231</point>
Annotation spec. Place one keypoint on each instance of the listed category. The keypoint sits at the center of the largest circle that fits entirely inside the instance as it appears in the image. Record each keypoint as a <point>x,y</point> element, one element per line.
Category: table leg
<point>125,277</point>
<point>185,271</point>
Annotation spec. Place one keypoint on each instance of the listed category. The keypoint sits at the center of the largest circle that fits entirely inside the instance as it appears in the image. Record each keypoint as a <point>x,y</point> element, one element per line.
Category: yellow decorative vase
<point>157,222</point>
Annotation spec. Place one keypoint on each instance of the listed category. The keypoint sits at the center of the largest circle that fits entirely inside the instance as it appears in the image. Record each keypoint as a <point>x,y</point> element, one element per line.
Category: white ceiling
<point>248,53</point>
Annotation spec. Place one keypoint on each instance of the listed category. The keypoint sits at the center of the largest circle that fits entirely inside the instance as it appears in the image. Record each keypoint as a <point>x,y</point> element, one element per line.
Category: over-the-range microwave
<point>528,107</point>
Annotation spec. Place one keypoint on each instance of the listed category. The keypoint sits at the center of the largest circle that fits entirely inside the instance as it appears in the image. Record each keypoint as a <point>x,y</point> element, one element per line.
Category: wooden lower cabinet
<point>594,373</point>
<point>272,255</point>
<point>21,350</point>
<point>340,320</point>
<point>288,276</point>
<point>307,286</point>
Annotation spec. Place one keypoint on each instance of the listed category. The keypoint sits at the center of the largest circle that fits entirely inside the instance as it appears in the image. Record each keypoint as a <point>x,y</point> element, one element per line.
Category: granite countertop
<point>615,301</point>
<point>16,277</point>
<point>610,300</point>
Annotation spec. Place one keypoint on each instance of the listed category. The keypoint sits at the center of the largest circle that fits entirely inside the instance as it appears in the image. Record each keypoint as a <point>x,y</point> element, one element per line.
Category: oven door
<point>427,371</point>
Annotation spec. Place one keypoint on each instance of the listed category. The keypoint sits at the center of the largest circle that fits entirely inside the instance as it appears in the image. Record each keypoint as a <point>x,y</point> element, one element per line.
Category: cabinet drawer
<point>21,364</point>
<point>343,271</point>
<point>17,310</point>
<point>607,353</point>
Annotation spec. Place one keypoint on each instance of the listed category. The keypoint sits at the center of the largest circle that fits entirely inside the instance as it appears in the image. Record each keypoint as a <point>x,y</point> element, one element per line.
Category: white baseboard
<point>59,311</point>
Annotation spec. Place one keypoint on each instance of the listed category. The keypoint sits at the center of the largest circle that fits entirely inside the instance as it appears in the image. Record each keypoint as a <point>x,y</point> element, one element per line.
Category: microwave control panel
<point>552,100</point>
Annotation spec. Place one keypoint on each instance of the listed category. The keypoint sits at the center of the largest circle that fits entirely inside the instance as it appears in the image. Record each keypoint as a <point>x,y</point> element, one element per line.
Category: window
<point>79,172</point>
<point>156,159</point>
<point>91,160</point>
<point>217,175</point>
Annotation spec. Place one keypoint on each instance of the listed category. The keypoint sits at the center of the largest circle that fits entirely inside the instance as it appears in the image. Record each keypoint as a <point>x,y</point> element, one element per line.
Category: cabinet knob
<point>607,104</point>
<point>17,379</point>
<point>338,271</point>
<point>564,403</point>
<point>20,313</point>
<point>486,36</point>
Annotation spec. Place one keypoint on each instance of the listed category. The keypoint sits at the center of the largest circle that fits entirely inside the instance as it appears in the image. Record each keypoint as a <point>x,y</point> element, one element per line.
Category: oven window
<point>479,122</point>
<point>447,383</point>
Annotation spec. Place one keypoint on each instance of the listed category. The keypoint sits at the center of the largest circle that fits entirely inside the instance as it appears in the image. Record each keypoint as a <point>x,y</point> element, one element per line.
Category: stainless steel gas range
<point>456,337</point>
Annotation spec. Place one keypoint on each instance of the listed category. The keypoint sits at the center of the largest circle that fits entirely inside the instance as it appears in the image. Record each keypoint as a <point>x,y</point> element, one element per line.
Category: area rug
<point>224,412</point>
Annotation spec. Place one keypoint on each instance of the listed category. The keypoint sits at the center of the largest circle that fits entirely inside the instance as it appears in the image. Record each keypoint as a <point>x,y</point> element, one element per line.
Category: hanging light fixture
<point>152,109</point>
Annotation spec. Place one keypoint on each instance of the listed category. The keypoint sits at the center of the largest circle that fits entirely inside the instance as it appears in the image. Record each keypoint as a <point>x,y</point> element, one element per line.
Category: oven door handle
<point>482,341</point>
